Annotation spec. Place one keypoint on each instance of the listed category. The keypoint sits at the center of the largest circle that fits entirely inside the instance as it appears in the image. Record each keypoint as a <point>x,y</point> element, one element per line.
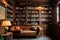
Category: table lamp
<point>5,24</point>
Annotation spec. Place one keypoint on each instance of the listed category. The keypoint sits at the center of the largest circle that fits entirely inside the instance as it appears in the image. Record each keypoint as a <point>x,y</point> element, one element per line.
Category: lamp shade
<point>6,23</point>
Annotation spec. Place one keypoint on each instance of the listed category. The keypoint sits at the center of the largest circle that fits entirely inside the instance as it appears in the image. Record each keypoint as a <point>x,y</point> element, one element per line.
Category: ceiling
<point>24,1</point>
<point>30,2</point>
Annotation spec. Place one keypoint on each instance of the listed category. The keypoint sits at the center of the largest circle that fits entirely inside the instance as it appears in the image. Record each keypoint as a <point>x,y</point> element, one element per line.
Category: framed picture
<point>2,11</point>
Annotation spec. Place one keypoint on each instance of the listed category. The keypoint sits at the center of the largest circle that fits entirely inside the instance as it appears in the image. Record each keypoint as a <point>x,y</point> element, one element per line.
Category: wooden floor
<point>41,36</point>
<point>38,38</point>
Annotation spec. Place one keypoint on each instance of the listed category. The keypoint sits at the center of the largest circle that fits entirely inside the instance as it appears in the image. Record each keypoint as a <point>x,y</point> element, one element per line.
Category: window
<point>2,11</point>
<point>57,14</point>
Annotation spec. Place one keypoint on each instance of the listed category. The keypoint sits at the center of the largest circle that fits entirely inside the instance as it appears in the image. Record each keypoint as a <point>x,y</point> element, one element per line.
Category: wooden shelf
<point>10,12</point>
<point>46,15</point>
<point>25,14</point>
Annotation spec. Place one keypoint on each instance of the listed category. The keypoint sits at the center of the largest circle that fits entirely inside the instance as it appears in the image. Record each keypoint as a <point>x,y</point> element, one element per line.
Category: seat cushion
<point>28,33</point>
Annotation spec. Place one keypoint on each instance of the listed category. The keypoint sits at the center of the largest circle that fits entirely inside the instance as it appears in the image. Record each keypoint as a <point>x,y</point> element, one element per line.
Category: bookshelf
<point>10,12</point>
<point>17,16</point>
<point>26,16</point>
<point>33,16</point>
<point>46,15</point>
<point>23,16</point>
<point>50,15</point>
<point>29,15</point>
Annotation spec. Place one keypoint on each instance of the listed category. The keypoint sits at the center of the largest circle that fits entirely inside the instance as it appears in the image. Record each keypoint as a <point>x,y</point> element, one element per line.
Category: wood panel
<point>23,1</point>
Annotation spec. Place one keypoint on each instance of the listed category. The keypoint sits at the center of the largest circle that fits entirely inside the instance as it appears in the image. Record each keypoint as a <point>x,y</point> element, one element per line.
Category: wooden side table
<point>8,36</point>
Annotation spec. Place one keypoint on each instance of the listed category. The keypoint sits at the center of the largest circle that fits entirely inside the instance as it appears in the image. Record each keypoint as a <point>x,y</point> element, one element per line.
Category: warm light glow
<point>5,2</point>
<point>40,7</point>
<point>57,14</point>
<point>6,23</point>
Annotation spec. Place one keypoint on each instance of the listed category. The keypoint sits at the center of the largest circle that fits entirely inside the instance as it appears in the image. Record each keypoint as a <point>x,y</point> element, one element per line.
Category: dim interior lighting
<point>5,24</point>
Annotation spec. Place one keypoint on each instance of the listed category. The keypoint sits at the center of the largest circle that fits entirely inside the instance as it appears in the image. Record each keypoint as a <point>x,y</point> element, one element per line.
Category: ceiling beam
<point>32,4</point>
<point>24,1</point>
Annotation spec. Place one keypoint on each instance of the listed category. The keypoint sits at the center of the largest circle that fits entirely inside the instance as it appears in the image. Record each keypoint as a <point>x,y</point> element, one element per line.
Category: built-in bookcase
<point>32,16</point>
<point>17,16</point>
<point>10,12</point>
<point>23,12</point>
<point>46,15</point>
<point>27,16</point>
